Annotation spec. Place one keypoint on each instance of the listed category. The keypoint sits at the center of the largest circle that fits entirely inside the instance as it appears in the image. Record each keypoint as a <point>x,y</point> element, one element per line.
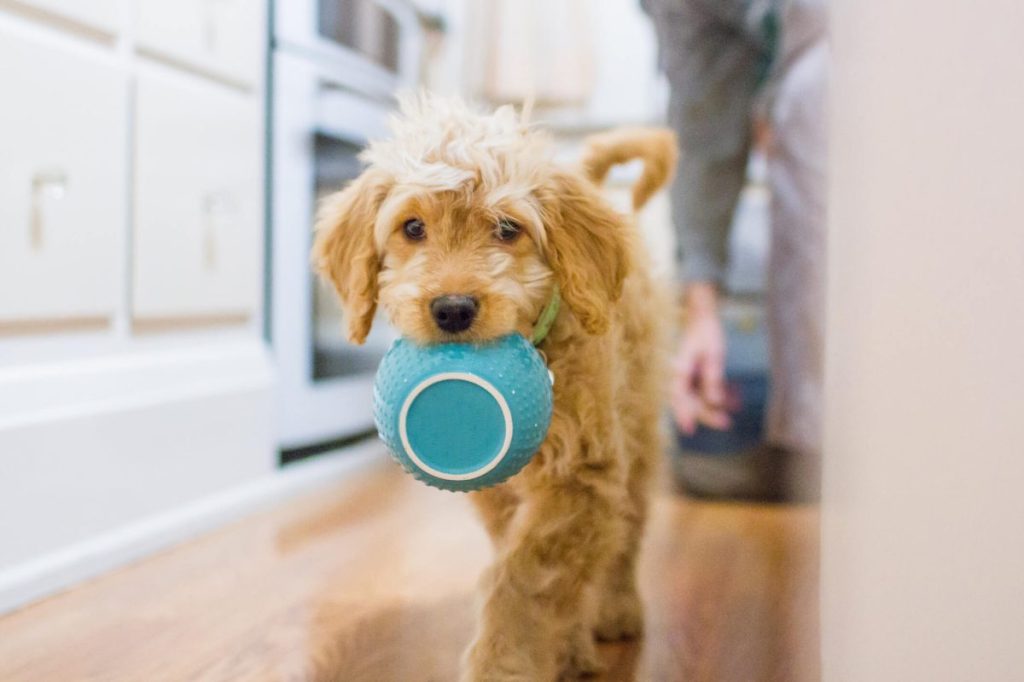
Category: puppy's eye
<point>507,230</point>
<point>414,229</point>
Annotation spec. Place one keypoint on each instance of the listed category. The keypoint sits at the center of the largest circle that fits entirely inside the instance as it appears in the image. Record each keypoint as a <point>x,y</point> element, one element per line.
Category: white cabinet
<point>131,185</point>
<point>222,37</point>
<point>198,199</point>
<point>101,15</point>
<point>62,184</point>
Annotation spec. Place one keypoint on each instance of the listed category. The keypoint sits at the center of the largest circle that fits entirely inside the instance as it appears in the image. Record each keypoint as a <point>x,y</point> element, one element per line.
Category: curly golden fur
<point>566,530</point>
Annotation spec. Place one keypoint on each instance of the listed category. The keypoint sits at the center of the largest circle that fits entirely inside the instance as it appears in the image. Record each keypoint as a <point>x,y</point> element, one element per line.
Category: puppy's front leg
<point>535,594</point>
<point>496,506</point>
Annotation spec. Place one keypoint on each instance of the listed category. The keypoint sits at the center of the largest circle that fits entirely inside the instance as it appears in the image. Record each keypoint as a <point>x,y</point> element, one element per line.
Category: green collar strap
<point>547,318</point>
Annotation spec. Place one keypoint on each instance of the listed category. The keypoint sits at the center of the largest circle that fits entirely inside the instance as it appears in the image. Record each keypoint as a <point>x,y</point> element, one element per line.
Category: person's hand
<point>698,387</point>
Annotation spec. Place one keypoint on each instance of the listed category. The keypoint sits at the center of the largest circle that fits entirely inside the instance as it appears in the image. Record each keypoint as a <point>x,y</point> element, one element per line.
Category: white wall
<point>923,554</point>
<point>627,85</point>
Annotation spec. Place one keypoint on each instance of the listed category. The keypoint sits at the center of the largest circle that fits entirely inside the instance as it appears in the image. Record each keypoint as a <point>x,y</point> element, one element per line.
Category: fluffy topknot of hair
<point>441,143</point>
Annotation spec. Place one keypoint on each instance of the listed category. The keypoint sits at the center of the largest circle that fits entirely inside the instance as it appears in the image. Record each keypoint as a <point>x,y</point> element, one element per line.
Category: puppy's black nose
<point>454,313</point>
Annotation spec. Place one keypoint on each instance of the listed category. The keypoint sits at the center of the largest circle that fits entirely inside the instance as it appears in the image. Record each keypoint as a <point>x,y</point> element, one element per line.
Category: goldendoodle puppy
<point>463,229</point>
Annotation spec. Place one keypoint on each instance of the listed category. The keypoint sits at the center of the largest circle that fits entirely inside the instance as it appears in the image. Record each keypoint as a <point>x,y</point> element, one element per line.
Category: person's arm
<point>713,65</point>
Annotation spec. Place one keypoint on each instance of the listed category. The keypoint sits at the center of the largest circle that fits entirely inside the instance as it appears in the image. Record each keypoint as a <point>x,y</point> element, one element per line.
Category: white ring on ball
<point>456,376</point>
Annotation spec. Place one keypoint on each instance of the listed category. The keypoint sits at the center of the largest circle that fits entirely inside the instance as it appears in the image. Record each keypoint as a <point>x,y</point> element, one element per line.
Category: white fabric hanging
<point>540,49</point>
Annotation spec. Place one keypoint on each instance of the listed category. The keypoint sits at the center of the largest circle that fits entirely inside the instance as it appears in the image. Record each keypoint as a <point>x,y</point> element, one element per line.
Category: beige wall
<point>923,557</point>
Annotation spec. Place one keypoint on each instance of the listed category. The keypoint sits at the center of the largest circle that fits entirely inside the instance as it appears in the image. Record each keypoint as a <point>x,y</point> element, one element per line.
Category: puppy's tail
<point>658,148</point>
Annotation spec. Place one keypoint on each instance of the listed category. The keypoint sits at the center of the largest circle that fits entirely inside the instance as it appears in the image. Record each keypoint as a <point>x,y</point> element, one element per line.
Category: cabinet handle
<point>211,26</point>
<point>51,184</point>
<point>217,206</point>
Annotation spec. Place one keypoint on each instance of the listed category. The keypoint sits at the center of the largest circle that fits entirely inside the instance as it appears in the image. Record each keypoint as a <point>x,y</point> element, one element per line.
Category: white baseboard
<point>20,585</point>
<point>92,445</point>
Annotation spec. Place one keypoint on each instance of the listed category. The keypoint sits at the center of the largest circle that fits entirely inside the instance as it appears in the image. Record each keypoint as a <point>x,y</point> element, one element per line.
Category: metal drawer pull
<point>212,10</point>
<point>217,209</point>
<point>52,185</point>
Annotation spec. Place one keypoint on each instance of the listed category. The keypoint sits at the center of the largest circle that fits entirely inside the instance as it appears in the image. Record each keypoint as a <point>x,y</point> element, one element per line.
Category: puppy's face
<point>460,229</point>
<point>455,267</point>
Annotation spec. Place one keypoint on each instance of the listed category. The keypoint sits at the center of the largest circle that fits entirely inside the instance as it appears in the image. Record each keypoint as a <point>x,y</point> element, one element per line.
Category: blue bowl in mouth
<point>461,416</point>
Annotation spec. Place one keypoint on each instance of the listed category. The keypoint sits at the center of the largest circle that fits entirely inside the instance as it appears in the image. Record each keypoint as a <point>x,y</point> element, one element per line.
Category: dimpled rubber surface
<point>510,364</point>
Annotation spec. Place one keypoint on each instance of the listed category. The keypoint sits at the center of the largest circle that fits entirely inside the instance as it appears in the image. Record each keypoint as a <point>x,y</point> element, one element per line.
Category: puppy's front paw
<point>583,659</point>
<point>490,674</point>
<point>621,616</point>
<point>489,663</point>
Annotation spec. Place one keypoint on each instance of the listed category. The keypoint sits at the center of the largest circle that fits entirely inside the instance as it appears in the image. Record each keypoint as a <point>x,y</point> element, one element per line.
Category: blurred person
<point>745,72</point>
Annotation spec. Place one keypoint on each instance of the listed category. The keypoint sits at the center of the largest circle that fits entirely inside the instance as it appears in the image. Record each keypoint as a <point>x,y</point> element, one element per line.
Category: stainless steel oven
<point>335,66</point>
<point>372,46</point>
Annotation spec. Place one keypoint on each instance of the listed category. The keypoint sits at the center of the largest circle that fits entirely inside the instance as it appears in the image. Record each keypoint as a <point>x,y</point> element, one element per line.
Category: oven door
<point>371,46</point>
<point>318,131</point>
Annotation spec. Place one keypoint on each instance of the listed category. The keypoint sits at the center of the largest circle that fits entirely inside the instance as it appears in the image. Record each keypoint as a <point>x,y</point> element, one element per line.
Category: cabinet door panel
<point>198,188</point>
<point>223,37</point>
<point>62,184</point>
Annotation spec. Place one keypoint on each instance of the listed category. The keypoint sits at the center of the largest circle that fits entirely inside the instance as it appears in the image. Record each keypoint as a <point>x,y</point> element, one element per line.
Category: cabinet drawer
<point>222,37</point>
<point>98,14</point>
<point>62,184</point>
<point>198,188</point>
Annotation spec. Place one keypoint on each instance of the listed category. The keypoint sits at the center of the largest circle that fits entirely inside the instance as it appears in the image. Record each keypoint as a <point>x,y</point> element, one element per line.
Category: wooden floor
<point>373,581</point>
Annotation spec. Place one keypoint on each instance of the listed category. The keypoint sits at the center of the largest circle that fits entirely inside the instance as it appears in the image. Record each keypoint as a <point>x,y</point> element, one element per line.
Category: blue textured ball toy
<point>461,416</point>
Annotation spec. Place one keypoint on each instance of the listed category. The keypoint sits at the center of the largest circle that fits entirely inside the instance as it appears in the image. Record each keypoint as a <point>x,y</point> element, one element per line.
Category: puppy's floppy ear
<point>587,247</point>
<point>344,251</point>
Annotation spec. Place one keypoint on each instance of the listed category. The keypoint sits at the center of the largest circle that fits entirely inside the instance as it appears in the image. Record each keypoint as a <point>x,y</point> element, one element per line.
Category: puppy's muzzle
<point>454,313</point>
